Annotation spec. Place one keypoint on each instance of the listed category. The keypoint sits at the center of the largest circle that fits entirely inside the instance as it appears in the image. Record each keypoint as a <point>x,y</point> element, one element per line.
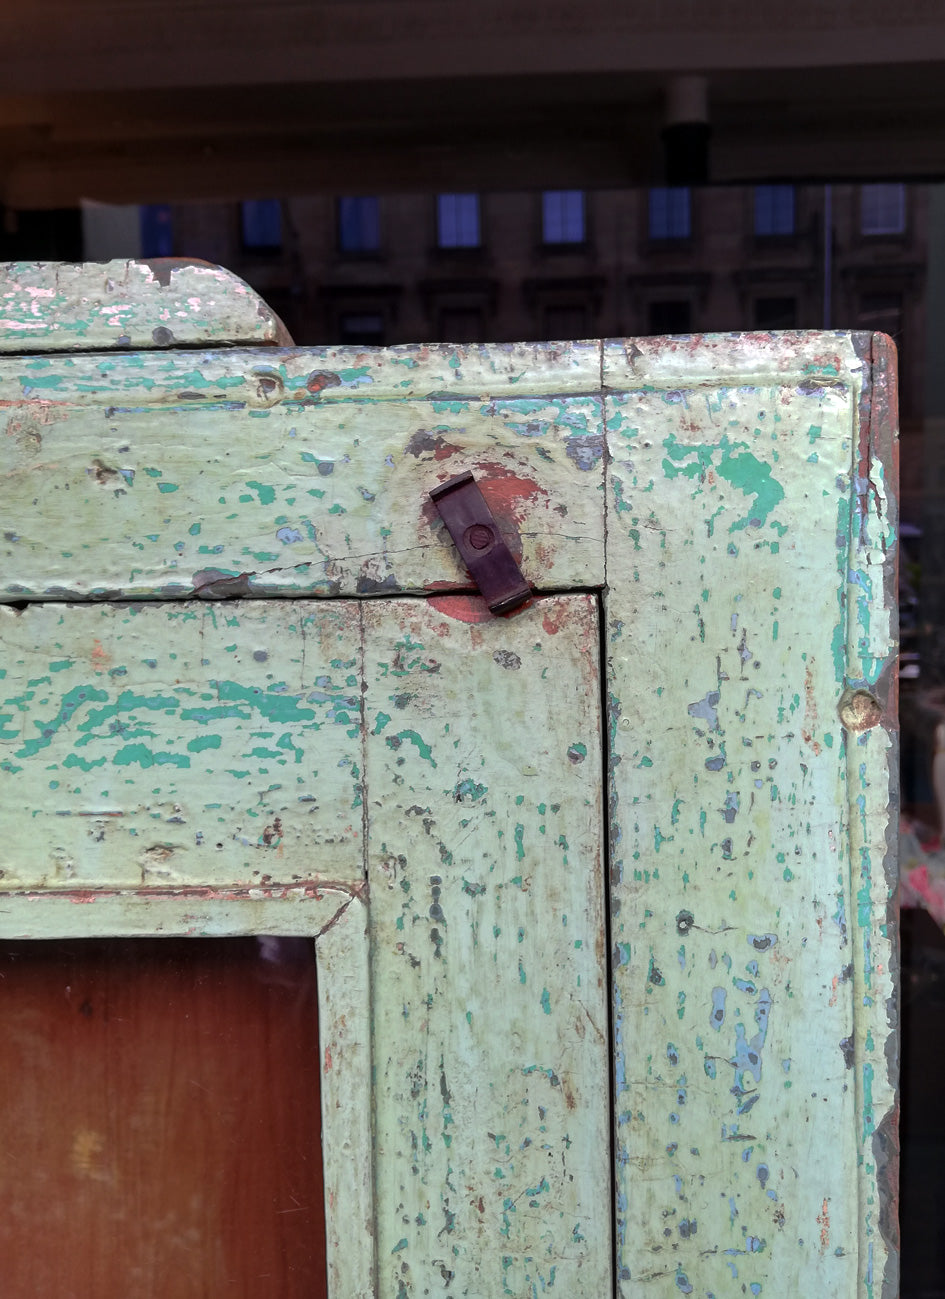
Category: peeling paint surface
<point>650,1047</point>
<point>745,602</point>
<point>167,474</point>
<point>488,953</point>
<point>201,744</point>
<point>123,305</point>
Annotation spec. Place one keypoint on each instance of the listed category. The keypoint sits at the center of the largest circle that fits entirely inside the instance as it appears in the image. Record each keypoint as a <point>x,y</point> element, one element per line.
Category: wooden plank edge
<point>822,358</point>
<point>292,911</point>
<point>869,710</point>
<point>347,1113</point>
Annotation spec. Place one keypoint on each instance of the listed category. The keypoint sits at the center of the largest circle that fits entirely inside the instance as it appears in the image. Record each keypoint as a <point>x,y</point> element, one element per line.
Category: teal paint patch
<point>283,709</point>
<point>355,376</point>
<point>734,462</point>
<point>201,742</point>
<point>469,789</point>
<point>74,760</point>
<point>74,700</point>
<point>424,749</point>
<point>143,756</point>
<point>266,494</point>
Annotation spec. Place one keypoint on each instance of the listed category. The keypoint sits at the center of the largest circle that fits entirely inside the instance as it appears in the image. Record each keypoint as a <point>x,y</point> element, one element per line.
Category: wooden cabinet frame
<point>731,502</point>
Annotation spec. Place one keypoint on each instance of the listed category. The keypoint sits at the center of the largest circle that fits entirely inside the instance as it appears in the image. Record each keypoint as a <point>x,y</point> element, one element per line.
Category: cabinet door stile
<point>489,968</point>
<point>749,650</point>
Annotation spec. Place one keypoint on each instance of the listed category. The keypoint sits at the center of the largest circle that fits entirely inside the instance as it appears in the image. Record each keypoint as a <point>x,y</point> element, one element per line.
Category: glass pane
<point>160,1119</point>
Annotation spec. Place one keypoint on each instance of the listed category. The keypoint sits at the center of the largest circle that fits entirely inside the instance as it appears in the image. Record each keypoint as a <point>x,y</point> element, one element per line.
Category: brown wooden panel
<point>159,1120</point>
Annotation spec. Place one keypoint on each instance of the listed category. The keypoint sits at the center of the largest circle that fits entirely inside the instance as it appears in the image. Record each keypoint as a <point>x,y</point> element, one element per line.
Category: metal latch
<point>470,523</point>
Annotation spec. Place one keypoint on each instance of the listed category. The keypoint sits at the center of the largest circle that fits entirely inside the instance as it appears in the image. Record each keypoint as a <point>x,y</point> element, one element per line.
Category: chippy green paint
<point>126,304</point>
<point>743,753</point>
<point>527,1056</point>
<point>135,697</point>
<point>429,750</point>
<point>348,532</point>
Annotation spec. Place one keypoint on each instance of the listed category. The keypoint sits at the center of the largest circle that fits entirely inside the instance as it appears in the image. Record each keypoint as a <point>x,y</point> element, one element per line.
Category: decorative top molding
<point>123,306</point>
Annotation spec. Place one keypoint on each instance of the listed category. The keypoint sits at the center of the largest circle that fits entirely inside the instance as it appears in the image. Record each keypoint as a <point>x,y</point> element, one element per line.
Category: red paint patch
<point>462,608</point>
<point>553,619</point>
<point>469,608</point>
<point>810,714</point>
<point>321,379</point>
<point>824,1219</point>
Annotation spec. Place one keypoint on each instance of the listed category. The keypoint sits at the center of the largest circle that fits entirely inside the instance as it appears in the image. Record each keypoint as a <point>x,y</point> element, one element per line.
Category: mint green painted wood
<point>100,306</point>
<point>748,520</point>
<point>748,607</point>
<point>180,745</point>
<point>157,474</point>
<point>198,911</point>
<point>344,999</point>
<point>488,951</point>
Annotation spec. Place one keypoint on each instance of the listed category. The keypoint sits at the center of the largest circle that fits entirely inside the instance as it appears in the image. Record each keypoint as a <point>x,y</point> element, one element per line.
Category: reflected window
<point>669,213</point>
<point>883,209</point>
<point>457,221</point>
<point>261,225</point>
<point>774,210</point>
<point>359,224</point>
<point>562,216</point>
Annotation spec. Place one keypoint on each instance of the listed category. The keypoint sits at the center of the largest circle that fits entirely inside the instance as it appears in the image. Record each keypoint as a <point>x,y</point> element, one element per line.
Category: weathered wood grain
<point>158,1118</point>
<point>344,1006</point>
<point>104,306</point>
<point>869,710</point>
<point>165,474</point>
<point>186,745</point>
<point>746,538</point>
<point>739,573</point>
<point>302,911</point>
<point>488,949</point>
